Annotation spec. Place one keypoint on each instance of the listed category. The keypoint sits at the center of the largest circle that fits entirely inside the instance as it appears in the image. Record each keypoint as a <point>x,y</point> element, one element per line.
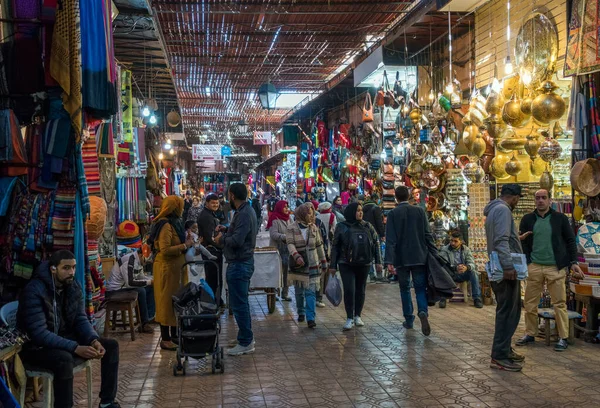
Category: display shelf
<point>479,197</point>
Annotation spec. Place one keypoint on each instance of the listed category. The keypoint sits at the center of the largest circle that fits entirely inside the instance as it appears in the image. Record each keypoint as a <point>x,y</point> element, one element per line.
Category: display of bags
<point>367,109</point>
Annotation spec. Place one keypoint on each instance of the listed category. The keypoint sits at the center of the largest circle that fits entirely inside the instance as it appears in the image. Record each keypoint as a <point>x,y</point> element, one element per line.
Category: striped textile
<point>90,164</point>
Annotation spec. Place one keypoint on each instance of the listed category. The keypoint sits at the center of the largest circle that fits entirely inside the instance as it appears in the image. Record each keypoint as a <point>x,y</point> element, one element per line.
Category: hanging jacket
<point>440,284</point>
<point>51,319</point>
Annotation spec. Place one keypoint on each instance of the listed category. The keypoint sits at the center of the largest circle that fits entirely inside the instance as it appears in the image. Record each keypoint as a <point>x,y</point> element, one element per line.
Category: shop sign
<point>263,138</point>
<point>225,151</point>
<point>199,150</point>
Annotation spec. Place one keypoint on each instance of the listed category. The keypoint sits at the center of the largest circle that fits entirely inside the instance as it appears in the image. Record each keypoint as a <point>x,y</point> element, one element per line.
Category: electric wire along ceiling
<point>221,51</point>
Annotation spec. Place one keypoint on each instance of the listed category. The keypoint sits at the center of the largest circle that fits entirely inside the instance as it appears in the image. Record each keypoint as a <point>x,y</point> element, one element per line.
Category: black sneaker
<point>442,304</point>
<point>312,324</point>
<point>525,340</point>
<point>506,365</point>
<point>561,345</point>
<point>478,303</point>
<point>301,318</point>
<point>425,328</point>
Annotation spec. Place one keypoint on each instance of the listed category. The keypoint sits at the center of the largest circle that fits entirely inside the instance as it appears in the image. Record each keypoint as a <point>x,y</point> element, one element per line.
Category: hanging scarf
<point>278,214</point>
<point>65,60</point>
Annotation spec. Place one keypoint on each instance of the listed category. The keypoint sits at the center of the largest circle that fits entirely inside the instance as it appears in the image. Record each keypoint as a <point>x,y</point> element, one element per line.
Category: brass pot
<point>546,181</point>
<point>513,143</point>
<point>479,146</point>
<point>415,115</point>
<point>526,105</point>
<point>550,150</point>
<point>497,167</point>
<point>414,169</point>
<point>495,125</point>
<point>512,114</point>
<point>494,103</point>
<point>514,166</point>
<point>470,133</point>
<point>557,130</point>
<point>537,166</point>
<point>532,146</point>
<point>548,105</point>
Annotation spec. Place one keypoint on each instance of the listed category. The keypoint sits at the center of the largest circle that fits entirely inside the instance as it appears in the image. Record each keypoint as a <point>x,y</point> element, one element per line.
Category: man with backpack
<point>373,214</point>
<point>408,243</point>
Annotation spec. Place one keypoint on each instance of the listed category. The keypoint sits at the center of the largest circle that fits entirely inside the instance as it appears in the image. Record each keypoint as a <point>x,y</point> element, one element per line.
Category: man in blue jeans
<point>408,242</point>
<point>239,241</point>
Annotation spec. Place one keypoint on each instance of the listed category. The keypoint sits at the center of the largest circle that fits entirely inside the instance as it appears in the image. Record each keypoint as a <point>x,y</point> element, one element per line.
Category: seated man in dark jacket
<point>460,259</point>
<point>51,313</point>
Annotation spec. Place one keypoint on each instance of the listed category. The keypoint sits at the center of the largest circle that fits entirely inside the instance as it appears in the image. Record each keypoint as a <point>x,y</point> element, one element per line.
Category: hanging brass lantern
<point>537,166</point>
<point>532,146</point>
<point>557,130</point>
<point>514,166</point>
<point>546,181</point>
<point>513,143</point>
<point>479,146</point>
<point>494,125</point>
<point>550,150</point>
<point>415,115</point>
<point>512,114</point>
<point>548,105</point>
<point>498,166</point>
<point>494,103</point>
<point>470,133</point>
<point>473,172</point>
<point>526,105</point>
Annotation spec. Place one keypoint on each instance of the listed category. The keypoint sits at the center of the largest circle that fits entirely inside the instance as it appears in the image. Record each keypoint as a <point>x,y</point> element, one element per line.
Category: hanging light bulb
<point>348,162</point>
<point>450,88</point>
<point>152,120</point>
<point>508,66</point>
<point>431,95</point>
<point>161,156</point>
<point>526,77</point>
<point>172,152</point>
<point>169,141</point>
<point>168,146</point>
<point>146,111</point>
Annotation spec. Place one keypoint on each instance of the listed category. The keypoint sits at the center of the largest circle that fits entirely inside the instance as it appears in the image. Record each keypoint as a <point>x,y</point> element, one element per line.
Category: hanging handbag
<point>380,97</point>
<point>367,109</point>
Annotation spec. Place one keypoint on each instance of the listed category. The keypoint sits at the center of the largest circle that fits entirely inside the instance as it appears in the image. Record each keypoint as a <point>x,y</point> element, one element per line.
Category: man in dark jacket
<point>239,242</point>
<point>503,239</point>
<point>208,227</point>
<point>51,312</point>
<point>551,250</point>
<point>408,244</point>
<point>373,215</point>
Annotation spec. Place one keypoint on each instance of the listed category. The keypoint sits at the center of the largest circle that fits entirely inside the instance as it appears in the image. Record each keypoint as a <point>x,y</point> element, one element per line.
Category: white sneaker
<point>241,350</point>
<point>349,324</point>
<point>320,304</point>
<point>358,322</point>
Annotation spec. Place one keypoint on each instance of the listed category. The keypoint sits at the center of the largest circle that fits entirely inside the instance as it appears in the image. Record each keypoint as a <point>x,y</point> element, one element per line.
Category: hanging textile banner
<point>263,138</point>
<point>583,49</point>
<point>127,106</point>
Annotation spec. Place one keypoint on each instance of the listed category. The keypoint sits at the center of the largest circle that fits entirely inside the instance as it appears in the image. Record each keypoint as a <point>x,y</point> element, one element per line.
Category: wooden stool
<point>464,287</point>
<point>125,303</point>
<point>548,314</point>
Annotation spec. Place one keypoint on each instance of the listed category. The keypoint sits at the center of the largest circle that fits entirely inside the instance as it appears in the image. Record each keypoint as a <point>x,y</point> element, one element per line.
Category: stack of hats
<point>128,235</point>
<point>388,196</point>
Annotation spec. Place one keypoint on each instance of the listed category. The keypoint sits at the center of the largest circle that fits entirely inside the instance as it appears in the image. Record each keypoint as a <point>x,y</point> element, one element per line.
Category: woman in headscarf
<point>169,243</point>
<point>279,221</point>
<point>355,246</point>
<point>338,208</point>
<point>307,259</point>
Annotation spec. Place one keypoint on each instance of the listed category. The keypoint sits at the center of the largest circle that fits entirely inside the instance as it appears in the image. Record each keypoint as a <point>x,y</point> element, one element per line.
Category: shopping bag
<point>333,291</point>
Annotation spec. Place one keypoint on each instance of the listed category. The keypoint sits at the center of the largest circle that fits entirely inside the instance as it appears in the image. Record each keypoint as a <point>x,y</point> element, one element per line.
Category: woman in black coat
<point>355,246</point>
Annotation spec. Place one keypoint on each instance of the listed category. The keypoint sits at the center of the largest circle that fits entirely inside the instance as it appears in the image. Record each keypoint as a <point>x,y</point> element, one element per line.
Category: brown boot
<point>146,328</point>
<point>168,345</point>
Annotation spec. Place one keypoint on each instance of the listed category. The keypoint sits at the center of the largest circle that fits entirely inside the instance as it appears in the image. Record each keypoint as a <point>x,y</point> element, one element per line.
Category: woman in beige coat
<point>279,221</point>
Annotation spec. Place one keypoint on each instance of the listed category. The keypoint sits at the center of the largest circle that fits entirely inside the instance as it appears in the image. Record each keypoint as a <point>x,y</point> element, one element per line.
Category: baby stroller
<point>198,325</point>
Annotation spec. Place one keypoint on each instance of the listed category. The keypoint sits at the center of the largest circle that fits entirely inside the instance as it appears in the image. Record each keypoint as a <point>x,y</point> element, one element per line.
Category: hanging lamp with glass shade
<point>243,126</point>
<point>268,95</point>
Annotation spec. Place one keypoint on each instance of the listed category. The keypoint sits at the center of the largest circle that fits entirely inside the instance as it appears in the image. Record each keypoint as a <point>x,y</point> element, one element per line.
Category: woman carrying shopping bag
<point>279,221</point>
<point>306,260</point>
<point>355,246</point>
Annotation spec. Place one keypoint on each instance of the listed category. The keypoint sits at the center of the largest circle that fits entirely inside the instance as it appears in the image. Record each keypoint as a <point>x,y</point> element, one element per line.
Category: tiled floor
<point>379,365</point>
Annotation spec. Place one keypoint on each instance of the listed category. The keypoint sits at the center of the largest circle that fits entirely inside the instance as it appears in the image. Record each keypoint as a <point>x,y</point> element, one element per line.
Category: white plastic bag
<point>333,291</point>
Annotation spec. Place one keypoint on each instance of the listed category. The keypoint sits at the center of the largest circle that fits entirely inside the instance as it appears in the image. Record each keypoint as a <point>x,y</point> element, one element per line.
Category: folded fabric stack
<point>388,198</point>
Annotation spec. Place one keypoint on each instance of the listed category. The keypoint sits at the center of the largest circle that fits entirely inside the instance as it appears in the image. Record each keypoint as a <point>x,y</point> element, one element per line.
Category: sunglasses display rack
<point>456,190</point>
<point>479,197</point>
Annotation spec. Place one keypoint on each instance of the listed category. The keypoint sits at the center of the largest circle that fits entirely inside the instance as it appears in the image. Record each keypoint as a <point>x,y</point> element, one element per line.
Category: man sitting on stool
<point>51,313</point>
<point>460,259</point>
<point>127,275</point>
